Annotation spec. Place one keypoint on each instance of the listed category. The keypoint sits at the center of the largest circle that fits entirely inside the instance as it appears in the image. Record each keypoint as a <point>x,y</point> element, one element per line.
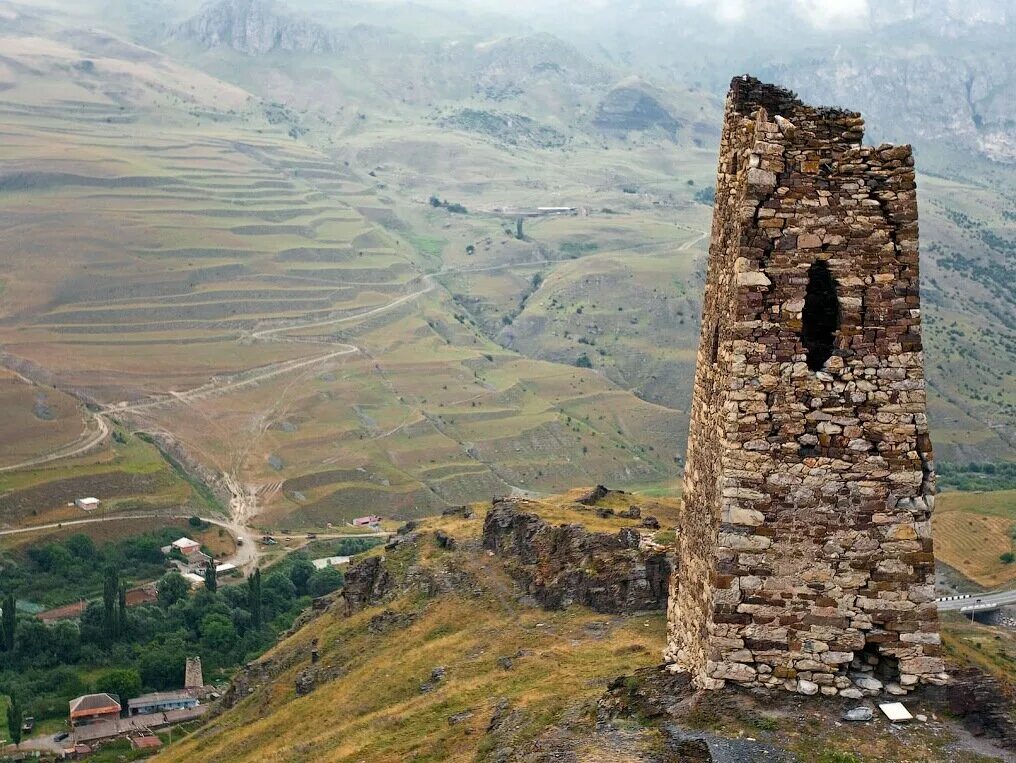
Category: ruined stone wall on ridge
<point>804,545</point>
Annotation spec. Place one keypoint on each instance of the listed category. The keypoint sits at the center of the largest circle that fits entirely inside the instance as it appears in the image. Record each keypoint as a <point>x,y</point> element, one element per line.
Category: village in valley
<point>92,721</point>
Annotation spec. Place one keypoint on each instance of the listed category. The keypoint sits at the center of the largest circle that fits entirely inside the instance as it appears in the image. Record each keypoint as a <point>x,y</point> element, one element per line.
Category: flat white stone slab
<point>895,712</point>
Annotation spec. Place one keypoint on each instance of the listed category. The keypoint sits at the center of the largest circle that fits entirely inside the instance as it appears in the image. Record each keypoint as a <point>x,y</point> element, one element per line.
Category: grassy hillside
<point>556,661</point>
<point>517,680</point>
<point>266,310</point>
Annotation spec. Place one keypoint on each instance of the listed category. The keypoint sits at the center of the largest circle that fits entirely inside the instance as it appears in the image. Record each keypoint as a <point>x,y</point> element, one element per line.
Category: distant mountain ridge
<point>631,106</point>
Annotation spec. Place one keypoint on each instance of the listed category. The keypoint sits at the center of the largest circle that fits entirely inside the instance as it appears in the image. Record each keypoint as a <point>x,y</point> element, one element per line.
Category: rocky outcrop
<point>367,583</point>
<point>564,565</point>
<point>246,681</point>
<point>595,495</point>
<point>390,620</point>
<point>255,27</point>
<point>984,704</point>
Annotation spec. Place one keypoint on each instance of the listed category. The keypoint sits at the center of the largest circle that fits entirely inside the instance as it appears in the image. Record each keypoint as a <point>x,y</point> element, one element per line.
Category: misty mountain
<point>932,72</point>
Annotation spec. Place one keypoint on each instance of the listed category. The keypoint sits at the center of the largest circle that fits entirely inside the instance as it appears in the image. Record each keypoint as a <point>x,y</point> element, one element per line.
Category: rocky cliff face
<point>255,27</point>
<point>564,565</point>
<point>959,100</point>
<point>367,582</point>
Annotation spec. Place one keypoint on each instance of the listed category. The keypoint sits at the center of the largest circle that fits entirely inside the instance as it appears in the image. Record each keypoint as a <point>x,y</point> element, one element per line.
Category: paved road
<point>977,602</point>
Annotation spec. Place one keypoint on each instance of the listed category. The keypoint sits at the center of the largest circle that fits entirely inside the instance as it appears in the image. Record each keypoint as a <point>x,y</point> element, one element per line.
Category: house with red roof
<point>93,708</point>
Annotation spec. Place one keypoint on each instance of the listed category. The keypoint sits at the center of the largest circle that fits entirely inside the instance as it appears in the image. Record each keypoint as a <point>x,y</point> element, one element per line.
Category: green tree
<point>254,598</point>
<point>9,624</point>
<point>81,546</point>
<point>324,581</point>
<point>121,610</point>
<point>171,588</point>
<point>110,594</point>
<point>211,581</point>
<point>125,683</point>
<point>217,633</point>
<point>194,522</point>
<point>300,573</point>
<point>162,662</point>
<point>15,717</point>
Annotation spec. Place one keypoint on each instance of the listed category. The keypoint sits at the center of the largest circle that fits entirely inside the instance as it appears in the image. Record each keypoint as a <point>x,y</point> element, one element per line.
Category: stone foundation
<point>805,538</point>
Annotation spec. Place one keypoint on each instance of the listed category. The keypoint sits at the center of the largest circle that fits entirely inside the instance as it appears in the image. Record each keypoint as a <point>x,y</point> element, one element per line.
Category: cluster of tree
<point>977,476</point>
<point>450,206</point>
<point>350,546</point>
<point>14,716</point>
<point>8,623</point>
<point>705,196</point>
<point>144,648</point>
<point>69,570</point>
<point>314,582</point>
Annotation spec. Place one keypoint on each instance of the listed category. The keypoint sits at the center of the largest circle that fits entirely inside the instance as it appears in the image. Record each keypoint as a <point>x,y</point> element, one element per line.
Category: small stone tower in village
<point>804,545</point>
<point>193,678</point>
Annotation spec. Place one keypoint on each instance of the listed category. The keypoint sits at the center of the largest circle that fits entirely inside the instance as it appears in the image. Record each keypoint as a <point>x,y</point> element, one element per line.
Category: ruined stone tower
<point>804,544</point>
<point>193,678</point>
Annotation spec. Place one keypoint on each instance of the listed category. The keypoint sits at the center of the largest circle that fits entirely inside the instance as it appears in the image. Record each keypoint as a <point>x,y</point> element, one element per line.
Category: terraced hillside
<point>235,293</point>
<point>325,292</point>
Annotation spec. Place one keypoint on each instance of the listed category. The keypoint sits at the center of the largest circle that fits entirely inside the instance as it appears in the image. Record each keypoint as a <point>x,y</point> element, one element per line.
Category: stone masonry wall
<point>805,537</point>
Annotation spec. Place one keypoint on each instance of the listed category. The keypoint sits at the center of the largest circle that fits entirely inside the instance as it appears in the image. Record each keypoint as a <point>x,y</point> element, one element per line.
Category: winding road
<point>88,440</point>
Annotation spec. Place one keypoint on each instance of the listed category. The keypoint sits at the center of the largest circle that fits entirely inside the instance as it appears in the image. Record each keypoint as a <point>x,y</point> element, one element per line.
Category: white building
<point>87,504</point>
<point>186,546</point>
<point>329,561</point>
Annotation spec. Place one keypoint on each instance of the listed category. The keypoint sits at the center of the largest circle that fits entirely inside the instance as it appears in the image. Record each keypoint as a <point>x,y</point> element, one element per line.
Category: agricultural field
<point>36,420</point>
<point>973,533</point>
<point>268,312</point>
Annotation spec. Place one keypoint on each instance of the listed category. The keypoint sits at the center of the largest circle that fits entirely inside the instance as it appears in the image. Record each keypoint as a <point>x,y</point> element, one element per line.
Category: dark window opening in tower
<point>714,350</point>
<point>821,318</point>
